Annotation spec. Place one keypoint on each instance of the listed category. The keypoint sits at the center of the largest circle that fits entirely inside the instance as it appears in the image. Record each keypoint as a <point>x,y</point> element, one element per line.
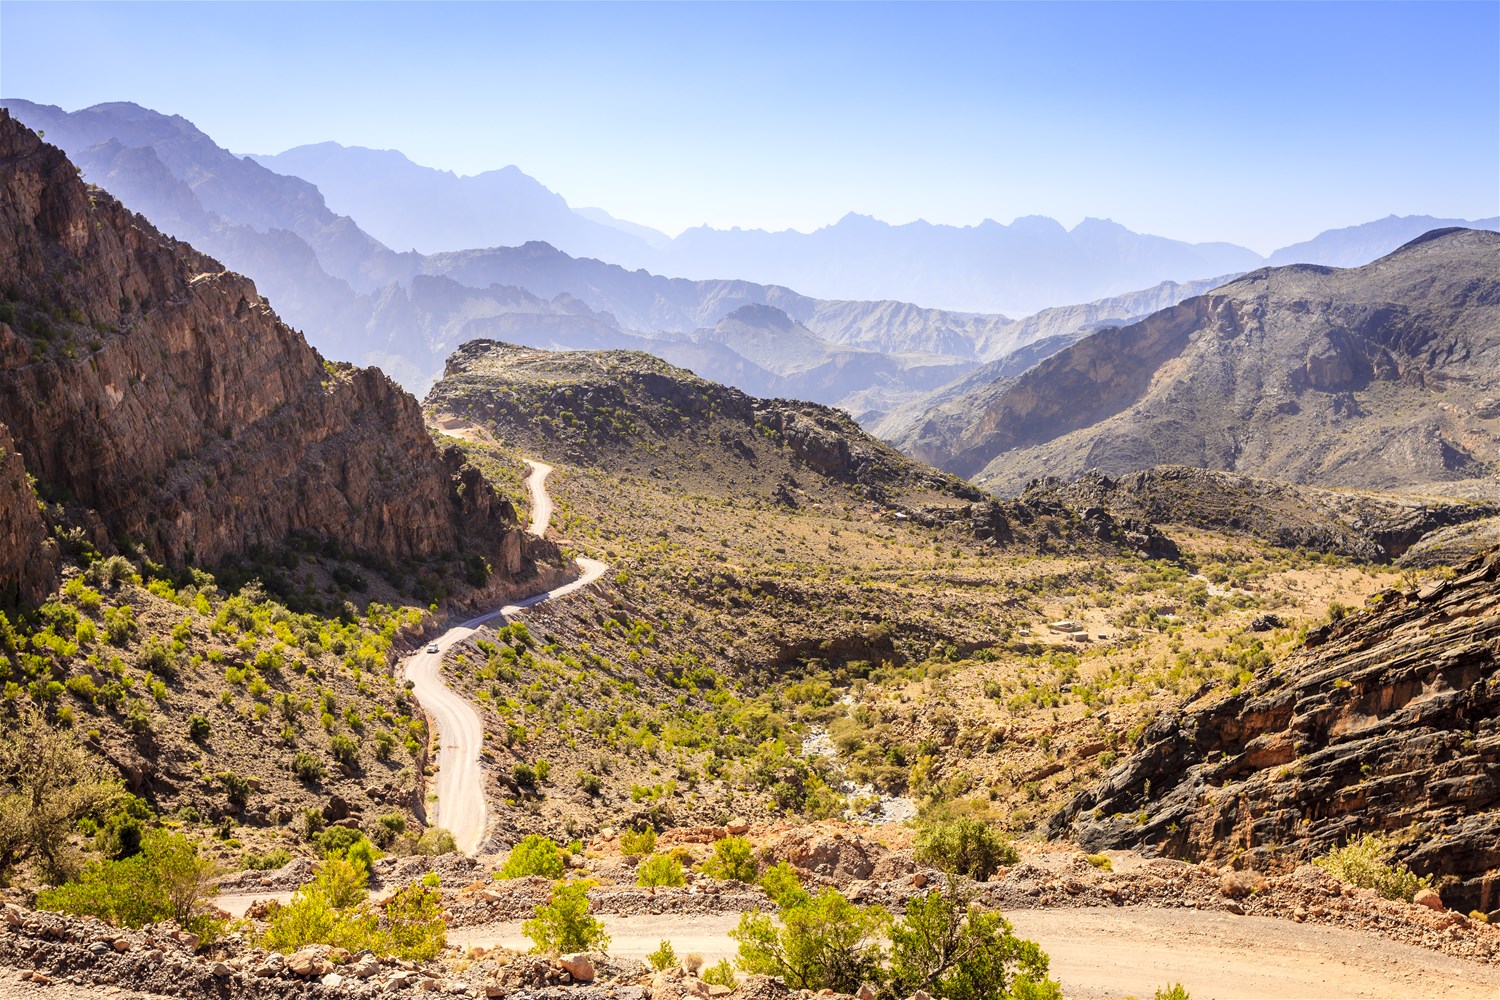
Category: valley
<point>1167,620</point>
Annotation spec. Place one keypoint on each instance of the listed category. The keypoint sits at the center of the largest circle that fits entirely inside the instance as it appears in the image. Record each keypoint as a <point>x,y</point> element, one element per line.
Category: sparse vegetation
<point>1366,863</point>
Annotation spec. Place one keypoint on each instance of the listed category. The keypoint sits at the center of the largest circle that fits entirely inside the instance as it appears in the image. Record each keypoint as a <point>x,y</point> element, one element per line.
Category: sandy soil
<point>1109,954</point>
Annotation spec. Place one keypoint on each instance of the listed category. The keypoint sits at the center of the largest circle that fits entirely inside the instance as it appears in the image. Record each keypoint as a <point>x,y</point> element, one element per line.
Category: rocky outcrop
<point>592,405</point>
<point>1361,525</point>
<point>145,383</point>
<point>1386,723</point>
<point>28,556</point>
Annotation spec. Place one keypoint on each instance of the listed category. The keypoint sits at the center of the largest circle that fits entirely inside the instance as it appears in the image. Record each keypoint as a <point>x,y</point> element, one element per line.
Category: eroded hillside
<point>1382,376</point>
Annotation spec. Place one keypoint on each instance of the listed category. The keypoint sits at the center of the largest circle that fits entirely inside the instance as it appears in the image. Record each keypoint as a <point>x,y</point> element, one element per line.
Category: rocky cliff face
<point>142,381</point>
<point>1386,723</point>
<point>28,556</point>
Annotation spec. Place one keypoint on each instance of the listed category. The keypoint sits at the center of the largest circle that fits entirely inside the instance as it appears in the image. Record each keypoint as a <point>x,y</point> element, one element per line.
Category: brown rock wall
<point>1388,723</point>
<point>142,380</point>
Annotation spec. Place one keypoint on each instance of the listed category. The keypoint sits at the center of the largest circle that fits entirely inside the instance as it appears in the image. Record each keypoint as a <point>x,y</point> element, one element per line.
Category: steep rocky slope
<point>1383,376</point>
<point>159,394</point>
<point>1385,723</point>
<point>1362,525</point>
<point>28,556</point>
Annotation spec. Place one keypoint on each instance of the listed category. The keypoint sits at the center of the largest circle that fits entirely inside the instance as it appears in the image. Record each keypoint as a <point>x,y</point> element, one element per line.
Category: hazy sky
<point>1259,123</point>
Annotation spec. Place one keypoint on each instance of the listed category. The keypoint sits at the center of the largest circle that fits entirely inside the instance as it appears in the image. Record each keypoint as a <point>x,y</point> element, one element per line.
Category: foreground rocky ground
<point>1164,907</point>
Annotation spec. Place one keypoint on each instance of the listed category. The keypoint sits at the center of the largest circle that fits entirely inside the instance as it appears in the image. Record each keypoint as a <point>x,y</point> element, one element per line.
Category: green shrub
<point>333,909</point>
<point>1365,863</point>
<point>338,839</point>
<point>1100,861</point>
<point>825,942</point>
<point>637,843</point>
<point>966,846</point>
<point>1173,992</point>
<point>388,828</point>
<point>435,841</point>
<point>345,750</point>
<point>236,788</point>
<point>363,854</point>
<point>733,860</point>
<point>269,861</point>
<point>167,880</point>
<point>414,925</point>
<point>721,974</point>
<point>661,869</point>
<point>564,924</point>
<point>664,957</point>
<point>198,728</point>
<point>782,883</point>
<point>307,767</point>
<point>535,855</point>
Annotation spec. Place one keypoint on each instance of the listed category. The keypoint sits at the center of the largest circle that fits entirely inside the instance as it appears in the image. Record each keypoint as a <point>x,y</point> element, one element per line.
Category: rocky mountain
<point>1384,723</point>
<point>1356,245</point>
<point>599,407</point>
<point>439,210</point>
<point>1014,346</point>
<point>157,400</point>
<point>1382,376</point>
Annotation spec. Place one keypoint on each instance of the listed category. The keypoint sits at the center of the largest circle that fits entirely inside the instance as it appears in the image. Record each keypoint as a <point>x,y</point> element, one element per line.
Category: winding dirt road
<point>460,806</point>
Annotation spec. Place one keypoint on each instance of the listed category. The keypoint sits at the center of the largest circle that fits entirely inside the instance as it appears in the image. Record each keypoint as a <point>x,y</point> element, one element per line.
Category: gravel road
<point>460,805</point>
<point>1107,954</point>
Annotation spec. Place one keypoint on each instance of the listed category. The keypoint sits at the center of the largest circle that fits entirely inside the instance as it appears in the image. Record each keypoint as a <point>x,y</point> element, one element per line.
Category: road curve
<point>460,806</point>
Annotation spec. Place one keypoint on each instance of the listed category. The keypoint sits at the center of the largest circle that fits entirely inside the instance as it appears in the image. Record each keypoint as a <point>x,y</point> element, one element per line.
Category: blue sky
<point>1258,123</point>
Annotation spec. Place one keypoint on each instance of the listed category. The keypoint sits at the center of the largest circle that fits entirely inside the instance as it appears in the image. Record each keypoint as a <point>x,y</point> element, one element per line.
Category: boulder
<point>578,965</point>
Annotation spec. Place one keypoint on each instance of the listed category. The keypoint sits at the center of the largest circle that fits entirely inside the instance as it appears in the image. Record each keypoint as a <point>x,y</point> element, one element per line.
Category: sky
<point>1254,123</point>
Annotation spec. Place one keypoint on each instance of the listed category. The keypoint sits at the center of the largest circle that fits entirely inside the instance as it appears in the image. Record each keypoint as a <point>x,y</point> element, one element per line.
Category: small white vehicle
<point>432,647</point>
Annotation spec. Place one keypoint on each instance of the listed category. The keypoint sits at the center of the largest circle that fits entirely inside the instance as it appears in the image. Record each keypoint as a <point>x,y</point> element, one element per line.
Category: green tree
<point>733,860</point>
<point>824,942</point>
<point>948,946</point>
<point>47,783</point>
<point>564,923</point>
<point>534,855</point>
<point>662,869</point>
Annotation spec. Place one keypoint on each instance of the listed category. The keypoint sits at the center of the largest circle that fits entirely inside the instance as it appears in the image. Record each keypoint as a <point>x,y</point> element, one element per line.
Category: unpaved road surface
<point>460,806</point>
<point>1107,954</point>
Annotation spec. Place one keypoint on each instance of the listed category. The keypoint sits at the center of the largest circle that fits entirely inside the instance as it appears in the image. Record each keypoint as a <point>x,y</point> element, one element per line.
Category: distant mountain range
<point>359,300</point>
<point>1385,376</point>
<point>1032,264</point>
